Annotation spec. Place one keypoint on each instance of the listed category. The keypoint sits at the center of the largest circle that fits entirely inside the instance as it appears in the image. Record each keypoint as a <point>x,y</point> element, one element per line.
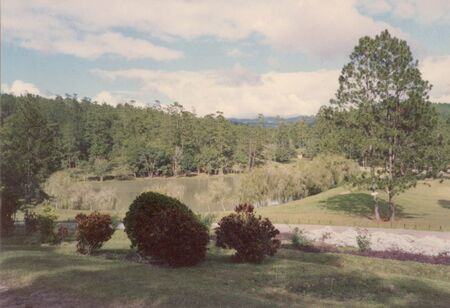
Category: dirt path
<point>429,243</point>
<point>287,228</point>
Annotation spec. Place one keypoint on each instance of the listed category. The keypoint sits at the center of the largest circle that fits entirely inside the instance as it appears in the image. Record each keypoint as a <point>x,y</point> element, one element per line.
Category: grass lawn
<point>423,207</point>
<point>292,278</point>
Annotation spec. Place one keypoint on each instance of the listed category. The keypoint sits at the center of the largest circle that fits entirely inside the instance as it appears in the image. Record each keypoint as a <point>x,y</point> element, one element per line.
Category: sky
<point>279,57</point>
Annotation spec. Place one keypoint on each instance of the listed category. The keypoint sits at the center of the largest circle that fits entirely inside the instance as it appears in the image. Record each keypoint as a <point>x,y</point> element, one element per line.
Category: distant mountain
<point>273,121</point>
<point>441,108</point>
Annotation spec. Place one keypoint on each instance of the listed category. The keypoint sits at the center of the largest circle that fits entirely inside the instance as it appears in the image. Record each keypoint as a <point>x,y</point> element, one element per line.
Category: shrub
<point>92,231</point>
<point>363,240</point>
<point>252,237</point>
<point>207,220</point>
<point>61,235</point>
<point>166,230</point>
<point>47,223</point>
<point>299,239</point>
<point>31,220</point>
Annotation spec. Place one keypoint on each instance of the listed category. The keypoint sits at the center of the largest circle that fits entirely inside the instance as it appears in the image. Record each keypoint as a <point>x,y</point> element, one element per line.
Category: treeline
<point>101,139</point>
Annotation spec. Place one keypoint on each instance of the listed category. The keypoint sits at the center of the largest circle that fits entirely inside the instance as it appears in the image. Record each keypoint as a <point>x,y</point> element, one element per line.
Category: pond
<point>201,193</point>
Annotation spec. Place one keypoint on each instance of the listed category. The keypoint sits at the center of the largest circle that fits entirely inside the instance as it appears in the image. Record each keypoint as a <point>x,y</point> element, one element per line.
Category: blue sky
<point>243,58</point>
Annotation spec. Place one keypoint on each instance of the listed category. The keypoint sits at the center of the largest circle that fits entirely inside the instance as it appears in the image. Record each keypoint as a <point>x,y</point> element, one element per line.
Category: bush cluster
<point>252,237</point>
<point>47,223</point>
<point>363,240</point>
<point>166,230</point>
<point>92,231</point>
<point>31,220</point>
<point>299,239</point>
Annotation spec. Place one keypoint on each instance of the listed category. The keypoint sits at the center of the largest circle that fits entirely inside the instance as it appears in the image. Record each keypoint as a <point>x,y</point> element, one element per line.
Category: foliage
<point>207,220</point>
<point>279,183</point>
<point>363,240</point>
<point>28,153</point>
<point>165,229</point>
<point>61,234</point>
<point>47,223</point>
<point>252,237</point>
<point>92,231</point>
<point>382,116</point>
<point>31,220</point>
<point>299,239</point>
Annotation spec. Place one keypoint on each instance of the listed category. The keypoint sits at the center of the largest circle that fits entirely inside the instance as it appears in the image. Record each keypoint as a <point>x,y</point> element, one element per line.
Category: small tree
<point>385,117</point>
<point>251,236</point>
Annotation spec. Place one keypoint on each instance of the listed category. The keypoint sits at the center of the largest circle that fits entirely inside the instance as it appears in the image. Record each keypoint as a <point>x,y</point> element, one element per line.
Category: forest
<point>155,141</point>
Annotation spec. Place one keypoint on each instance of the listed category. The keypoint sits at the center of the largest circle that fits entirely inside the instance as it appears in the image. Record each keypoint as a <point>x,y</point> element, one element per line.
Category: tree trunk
<point>376,208</point>
<point>391,184</point>
<point>392,205</point>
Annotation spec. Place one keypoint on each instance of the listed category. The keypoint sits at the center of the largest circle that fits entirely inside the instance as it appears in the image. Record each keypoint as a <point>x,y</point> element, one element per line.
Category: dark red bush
<point>31,220</point>
<point>166,230</point>
<point>61,235</point>
<point>252,237</point>
<point>92,231</point>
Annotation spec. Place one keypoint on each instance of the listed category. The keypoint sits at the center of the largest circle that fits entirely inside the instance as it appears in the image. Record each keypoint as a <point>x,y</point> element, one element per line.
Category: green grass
<point>292,278</point>
<point>427,206</point>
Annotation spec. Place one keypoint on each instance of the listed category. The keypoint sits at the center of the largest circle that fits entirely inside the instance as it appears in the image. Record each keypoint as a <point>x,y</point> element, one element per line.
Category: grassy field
<point>56,275</point>
<point>424,207</point>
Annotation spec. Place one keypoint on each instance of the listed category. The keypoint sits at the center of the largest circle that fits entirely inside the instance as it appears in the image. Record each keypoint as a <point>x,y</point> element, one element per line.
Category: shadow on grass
<point>69,280</point>
<point>369,288</point>
<point>361,204</point>
<point>444,203</point>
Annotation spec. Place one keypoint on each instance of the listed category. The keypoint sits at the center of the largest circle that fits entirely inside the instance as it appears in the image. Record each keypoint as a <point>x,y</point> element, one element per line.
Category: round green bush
<point>252,237</point>
<point>166,230</point>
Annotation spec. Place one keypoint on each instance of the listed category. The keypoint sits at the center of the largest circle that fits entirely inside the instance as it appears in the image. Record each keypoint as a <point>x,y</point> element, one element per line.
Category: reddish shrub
<point>92,231</point>
<point>61,235</point>
<point>31,220</point>
<point>166,230</point>
<point>252,237</point>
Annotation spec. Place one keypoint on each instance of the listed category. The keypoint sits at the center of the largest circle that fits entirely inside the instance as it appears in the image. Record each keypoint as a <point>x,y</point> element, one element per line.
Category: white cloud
<point>93,46</point>
<point>322,28</point>
<point>35,25</point>
<point>437,71</point>
<point>19,87</point>
<point>114,99</point>
<point>235,53</point>
<point>236,92</point>
<point>375,6</point>
<point>423,11</point>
